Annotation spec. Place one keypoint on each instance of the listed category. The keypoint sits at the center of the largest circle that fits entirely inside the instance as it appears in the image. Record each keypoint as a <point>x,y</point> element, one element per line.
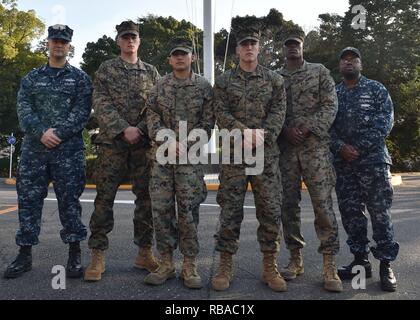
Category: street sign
<point>11,140</point>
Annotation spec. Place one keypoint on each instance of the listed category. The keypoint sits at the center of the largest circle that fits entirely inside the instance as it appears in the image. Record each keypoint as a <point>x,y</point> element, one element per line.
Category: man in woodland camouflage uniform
<point>250,97</point>
<point>181,96</point>
<point>304,145</point>
<point>121,88</point>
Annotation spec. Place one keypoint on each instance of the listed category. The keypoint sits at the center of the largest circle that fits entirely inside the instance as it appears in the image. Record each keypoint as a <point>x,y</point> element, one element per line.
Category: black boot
<point>345,273</point>
<point>22,264</point>
<point>74,268</point>
<point>388,280</point>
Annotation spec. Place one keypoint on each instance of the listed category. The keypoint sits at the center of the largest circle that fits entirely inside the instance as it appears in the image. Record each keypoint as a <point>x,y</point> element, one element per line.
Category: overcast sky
<point>92,19</point>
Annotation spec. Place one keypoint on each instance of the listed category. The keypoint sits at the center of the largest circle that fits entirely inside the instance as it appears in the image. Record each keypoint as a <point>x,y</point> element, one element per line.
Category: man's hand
<point>305,132</point>
<point>349,153</point>
<point>295,136</point>
<point>50,140</point>
<point>133,135</point>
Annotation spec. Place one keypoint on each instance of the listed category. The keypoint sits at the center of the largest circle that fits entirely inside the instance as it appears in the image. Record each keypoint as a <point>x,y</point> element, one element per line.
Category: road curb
<point>212,185</point>
<point>10,182</point>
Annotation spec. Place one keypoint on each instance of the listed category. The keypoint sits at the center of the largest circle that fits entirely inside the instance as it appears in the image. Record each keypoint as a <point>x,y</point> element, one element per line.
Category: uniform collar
<point>188,82</point>
<point>362,81</point>
<point>67,67</point>
<point>139,65</point>
<point>285,72</point>
<point>242,74</point>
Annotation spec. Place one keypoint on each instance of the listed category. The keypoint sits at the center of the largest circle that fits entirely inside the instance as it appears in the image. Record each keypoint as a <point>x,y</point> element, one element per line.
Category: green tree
<point>274,29</point>
<point>18,29</point>
<point>156,34</point>
<point>390,45</point>
<point>97,52</point>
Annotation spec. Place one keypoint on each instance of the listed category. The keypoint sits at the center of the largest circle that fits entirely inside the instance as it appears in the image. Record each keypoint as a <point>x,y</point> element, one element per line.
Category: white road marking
<point>132,202</point>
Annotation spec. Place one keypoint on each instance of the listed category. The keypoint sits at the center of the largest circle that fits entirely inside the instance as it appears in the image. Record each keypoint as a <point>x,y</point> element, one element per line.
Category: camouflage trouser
<point>368,187</point>
<point>112,166</point>
<point>66,169</point>
<point>312,163</point>
<point>186,184</point>
<point>267,194</point>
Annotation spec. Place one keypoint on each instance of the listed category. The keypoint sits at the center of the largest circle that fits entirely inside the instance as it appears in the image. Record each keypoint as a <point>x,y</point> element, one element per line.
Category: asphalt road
<point>123,282</point>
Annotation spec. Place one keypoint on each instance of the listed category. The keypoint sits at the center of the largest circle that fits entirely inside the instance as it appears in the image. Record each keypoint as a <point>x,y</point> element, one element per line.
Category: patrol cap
<point>353,50</point>
<point>295,38</point>
<point>248,35</point>
<point>181,44</point>
<point>60,31</point>
<point>246,28</point>
<point>128,27</point>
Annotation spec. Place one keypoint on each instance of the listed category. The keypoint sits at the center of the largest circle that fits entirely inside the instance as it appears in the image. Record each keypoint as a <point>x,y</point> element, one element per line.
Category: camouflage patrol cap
<point>181,44</point>
<point>128,27</point>
<point>248,35</point>
<point>353,50</point>
<point>294,37</point>
<point>60,31</point>
<point>246,28</point>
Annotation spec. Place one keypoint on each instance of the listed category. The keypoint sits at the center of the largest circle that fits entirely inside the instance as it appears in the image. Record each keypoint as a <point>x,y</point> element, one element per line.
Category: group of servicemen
<point>312,131</point>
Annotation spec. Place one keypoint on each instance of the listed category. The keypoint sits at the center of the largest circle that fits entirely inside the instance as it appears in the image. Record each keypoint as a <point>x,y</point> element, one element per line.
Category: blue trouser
<point>66,170</point>
<point>361,187</point>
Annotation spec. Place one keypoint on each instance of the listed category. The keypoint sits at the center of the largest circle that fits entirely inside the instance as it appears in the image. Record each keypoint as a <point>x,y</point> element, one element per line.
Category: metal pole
<point>209,54</point>
<point>208,41</point>
<point>11,160</point>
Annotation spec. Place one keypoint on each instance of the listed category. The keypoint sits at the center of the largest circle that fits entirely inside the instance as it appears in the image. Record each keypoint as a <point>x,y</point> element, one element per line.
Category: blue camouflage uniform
<point>365,119</point>
<point>60,99</point>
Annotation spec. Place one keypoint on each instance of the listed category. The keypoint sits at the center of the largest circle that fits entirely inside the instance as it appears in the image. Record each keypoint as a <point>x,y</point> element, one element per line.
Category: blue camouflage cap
<point>353,50</point>
<point>60,31</point>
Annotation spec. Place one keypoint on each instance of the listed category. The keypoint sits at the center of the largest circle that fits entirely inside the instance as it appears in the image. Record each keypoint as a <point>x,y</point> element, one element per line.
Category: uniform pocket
<point>310,92</point>
<point>195,110</point>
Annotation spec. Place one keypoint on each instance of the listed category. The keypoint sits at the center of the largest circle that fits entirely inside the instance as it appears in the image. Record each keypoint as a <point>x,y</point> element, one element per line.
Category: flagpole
<point>209,72</point>
<point>208,41</point>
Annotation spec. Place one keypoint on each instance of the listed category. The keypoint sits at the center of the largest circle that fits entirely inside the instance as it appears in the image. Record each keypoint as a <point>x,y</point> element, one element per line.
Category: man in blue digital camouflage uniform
<point>53,105</point>
<point>365,119</point>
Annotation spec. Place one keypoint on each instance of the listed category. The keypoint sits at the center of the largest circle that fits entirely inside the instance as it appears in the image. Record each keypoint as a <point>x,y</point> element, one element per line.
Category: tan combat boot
<point>332,281</point>
<point>146,261</point>
<point>295,267</point>
<point>97,266</point>
<point>271,275</point>
<point>221,281</point>
<point>192,279</point>
<point>165,271</point>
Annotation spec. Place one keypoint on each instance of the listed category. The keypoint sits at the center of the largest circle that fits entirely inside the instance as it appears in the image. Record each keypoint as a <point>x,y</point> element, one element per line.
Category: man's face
<point>350,65</point>
<point>293,50</point>
<point>129,43</point>
<point>58,48</point>
<point>181,61</point>
<point>248,51</point>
